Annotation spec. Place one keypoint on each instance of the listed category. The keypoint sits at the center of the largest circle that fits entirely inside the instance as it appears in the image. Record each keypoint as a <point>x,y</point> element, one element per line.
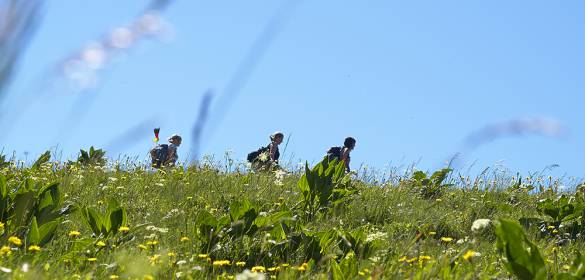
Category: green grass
<point>397,233</point>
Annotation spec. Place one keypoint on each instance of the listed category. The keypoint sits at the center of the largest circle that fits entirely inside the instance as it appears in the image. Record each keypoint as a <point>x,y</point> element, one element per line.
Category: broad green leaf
<point>117,219</point>
<point>93,220</point>
<point>44,158</point>
<point>23,208</point>
<point>238,208</point>
<point>33,233</point>
<point>336,273</point>
<point>523,257</point>
<point>46,232</point>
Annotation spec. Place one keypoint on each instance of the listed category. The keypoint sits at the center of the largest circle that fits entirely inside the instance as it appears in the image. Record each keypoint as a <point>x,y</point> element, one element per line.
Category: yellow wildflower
<point>184,239</point>
<point>124,229</point>
<point>285,265</point>
<point>361,273</point>
<point>34,248</point>
<point>15,240</point>
<point>222,263</point>
<point>203,256</point>
<point>171,254</point>
<point>412,260</point>
<point>241,263</point>
<point>258,269</point>
<point>551,227</point>
<point>470,254</point>
<point>114,276</point>
<point>566,267</point>
<point>154,259</point>
<point>424,258</point>
<point>1,226</point>
<point>403,259</point>
<point>446,239</point>
<point>273,269</point>
<point>92,259</point>
<point>142,247</point>
<point>303,267</point>
<point>74,233</point>
<point>5,250</point>
<point>152,242</point>
<point>432,233</point>
<point>100,244</point>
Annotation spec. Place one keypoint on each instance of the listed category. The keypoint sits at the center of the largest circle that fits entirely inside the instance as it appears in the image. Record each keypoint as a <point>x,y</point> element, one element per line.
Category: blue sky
<point>410,80</point>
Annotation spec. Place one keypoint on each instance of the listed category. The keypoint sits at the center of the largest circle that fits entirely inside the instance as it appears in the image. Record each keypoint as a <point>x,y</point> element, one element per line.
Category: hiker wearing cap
<point>342,153</point>
<point>172,156</point>
<point>267,157</point>
<point>165,154</point>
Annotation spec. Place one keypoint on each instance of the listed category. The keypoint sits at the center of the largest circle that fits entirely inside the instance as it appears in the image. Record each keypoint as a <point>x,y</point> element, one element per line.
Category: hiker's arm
<point>345,157</point>
<point>272,152</point>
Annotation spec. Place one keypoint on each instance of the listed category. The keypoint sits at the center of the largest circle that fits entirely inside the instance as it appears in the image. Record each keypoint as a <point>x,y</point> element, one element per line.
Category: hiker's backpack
<point>334,153</point>
<point>253,156</point>
<point>159,154</point>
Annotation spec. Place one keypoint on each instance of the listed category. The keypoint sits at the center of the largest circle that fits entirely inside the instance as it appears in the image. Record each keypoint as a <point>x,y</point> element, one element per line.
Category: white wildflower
<point>480,224</point>
<point>249,275</point>
<point>376,236</point>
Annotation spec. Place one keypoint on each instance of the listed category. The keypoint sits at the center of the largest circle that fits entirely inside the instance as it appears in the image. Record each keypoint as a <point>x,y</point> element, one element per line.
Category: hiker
<point>267,157</point>
<point>166,155</point>
<point>342,153</point>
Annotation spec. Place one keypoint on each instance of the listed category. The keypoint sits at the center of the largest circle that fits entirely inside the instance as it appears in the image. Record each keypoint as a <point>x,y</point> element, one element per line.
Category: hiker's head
<point>349,143</point>
<point>175,139</point>
<point>277,137</point>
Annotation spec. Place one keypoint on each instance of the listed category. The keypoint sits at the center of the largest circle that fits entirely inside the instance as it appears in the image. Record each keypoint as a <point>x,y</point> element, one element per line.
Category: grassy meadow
<point>92,219</point>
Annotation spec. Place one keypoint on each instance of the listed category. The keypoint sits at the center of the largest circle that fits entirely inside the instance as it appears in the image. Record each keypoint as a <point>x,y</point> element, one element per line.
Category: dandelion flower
<point>446,239</point>
<point>142,247</point>
<point>5,250</point>
<point>154,259</point>
<point>124,229</point>
<point>258,269</point>
<point>171,254</point>
<point>303,267</point>
<point>222,263</point>
<point>241,263</point>
<point>74,233</point>
<point>470,255</point>
<point>15,240</point>
<point>100,244</point>
<point>34,248</point>
<point>185,239</point>
<point>432,233</point>
<point>152,243</point>
<point>273,269</point>
<point>425,258</point>
<point>92,259</point>
<point>203,256</point>
<point>114,276</point>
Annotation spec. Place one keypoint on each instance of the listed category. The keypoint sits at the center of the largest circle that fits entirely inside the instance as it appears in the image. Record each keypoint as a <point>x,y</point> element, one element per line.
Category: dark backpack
<point>253,156</point>
<point>159,154</point>
<point>334,153</point>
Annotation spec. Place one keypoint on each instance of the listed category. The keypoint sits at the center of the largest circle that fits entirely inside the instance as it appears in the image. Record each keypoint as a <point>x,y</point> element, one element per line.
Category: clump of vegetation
<point>85,219</point>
